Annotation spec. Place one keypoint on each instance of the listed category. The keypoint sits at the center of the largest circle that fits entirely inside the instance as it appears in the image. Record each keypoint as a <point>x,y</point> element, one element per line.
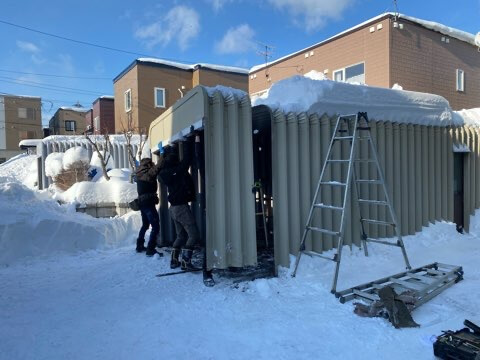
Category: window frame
<point>127,94</point>
<point>70,122</point>
<point>344,72</point>
<point>23,109</point>
<point>460,75</point>
<point>155,97</point>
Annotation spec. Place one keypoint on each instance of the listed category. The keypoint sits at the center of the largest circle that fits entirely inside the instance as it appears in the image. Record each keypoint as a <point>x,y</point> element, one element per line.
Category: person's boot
<point>186,261</point>
<point>151,249</point>
<point>140,246</point>
<point>208,278</point>
<point>174,261</point>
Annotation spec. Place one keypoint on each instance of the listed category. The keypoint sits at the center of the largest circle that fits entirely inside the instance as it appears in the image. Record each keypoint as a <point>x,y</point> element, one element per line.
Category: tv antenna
<point>266,53</point>
<point>395,5</point>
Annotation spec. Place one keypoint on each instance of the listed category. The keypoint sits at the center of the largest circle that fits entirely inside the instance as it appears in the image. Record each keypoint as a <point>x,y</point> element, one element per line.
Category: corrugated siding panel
<point>417,162</point>
<point>231,236</point>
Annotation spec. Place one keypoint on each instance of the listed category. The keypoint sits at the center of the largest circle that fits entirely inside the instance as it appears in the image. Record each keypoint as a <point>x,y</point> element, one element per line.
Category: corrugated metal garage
<point>430,172</point>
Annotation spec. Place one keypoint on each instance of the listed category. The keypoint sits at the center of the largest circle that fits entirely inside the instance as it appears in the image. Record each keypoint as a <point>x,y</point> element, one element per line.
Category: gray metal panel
<point>231,236</point>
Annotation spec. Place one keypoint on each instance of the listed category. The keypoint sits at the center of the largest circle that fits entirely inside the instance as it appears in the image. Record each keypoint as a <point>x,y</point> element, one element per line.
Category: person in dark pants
<point>146,176</point>
<point>174,174</point>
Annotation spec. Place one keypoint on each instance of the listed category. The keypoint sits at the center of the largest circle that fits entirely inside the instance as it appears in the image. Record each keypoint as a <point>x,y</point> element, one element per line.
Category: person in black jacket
<point>174,174</point>
<point>146,175</point>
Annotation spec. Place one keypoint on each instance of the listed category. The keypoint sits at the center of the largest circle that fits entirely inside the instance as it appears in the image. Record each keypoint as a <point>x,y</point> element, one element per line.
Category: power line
<point>44,84</point>
<point>84,42</point>
<point>80,92</point>
<point>57,76</point>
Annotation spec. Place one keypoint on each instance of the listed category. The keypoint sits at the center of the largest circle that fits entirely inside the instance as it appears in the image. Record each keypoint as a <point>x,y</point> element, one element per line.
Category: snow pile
<point>118,190</point>
<point>301,94</point>
<point>54,164</point>
<point>315,75</point>
<point>225,91</point>
<point>73,155</point>
<point>470,117</point>
<point>21,168</point>
<point>33,225</point>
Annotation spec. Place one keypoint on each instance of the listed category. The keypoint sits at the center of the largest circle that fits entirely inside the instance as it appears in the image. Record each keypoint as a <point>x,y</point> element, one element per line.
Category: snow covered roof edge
<point>183,66</point>
<point>443,29</point>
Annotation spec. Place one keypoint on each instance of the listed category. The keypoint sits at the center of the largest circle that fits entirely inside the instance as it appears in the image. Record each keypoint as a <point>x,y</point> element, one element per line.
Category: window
<point>460,80</point>
<point>128,100</point>
<point>22,113</point>
<point>96,123</point>
<point>338,75</point>
<point>159,97</point>
<point>351,74</point>
<point>70,125</point>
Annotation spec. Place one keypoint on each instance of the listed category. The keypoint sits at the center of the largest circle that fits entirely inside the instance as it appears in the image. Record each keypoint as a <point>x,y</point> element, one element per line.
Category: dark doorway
<point>458,197</point>
<point>262,169</point>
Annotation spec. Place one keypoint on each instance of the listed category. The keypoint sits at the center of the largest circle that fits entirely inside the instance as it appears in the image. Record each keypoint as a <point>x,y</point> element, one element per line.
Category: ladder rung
<point>333,183</point>
<point>365,160</point>
<point>364,181</point>
<point>314,253</point>
<point>339,161</point>
<point>364,294</point>
<point>324,231</point>
<point>343,138</point>
<point>373,202</point>
<point>331,207</point>
<point>382,242</point>
<point>378,222</point>
<point>408,284</point>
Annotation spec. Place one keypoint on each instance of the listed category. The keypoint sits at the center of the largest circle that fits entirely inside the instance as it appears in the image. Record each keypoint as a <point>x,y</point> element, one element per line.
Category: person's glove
<point>161,150</point>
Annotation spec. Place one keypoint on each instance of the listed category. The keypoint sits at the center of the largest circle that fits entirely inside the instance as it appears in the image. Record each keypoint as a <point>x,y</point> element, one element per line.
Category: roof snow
<point>74,108</point>
<point>443,29</point>
<point>306,94</point>
<point>194,66</point>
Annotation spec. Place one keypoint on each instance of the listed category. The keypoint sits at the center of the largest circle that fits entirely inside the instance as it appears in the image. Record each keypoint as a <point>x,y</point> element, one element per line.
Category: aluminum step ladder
<point>422,284</point>
<point>350,129</point>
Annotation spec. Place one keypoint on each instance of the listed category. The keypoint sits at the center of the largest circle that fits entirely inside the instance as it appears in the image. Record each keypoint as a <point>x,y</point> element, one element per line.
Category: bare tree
<point>105,157</point>
<point>128,131</point>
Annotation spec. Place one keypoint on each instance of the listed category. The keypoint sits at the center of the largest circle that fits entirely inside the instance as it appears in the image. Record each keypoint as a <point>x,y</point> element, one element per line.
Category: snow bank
<point>74,155</point>
<point>307,94</point>
<point>21,168</point>
<point>31,225</point>
<point>54,164</point>
<point>118,190</point>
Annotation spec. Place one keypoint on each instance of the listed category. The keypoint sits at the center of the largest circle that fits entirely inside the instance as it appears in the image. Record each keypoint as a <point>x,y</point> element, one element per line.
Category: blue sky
<point>227,32</point>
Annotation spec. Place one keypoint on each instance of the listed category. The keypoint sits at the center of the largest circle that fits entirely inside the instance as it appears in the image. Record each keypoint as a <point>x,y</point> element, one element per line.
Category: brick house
<point>418,55</point>
<point>148,87</point>
<point>20,118</point>
<point>101,118</point>
<point>68,120</point>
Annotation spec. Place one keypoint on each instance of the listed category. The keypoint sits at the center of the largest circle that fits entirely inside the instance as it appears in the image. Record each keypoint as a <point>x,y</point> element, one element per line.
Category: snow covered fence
<point>61,143</point>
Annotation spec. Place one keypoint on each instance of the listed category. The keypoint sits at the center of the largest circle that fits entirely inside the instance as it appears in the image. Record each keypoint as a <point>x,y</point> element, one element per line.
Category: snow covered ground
<point>85,294</point>
<point>109,305</point>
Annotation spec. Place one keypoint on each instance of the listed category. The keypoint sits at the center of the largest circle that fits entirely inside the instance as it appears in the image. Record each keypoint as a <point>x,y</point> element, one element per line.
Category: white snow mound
<point>31,226</point>
<point>54,164</point>
<point>74,155</point>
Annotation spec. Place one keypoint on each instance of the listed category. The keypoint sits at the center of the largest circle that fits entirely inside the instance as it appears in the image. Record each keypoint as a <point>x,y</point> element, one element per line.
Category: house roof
<point>431,25</point>
<point>182,66</point>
